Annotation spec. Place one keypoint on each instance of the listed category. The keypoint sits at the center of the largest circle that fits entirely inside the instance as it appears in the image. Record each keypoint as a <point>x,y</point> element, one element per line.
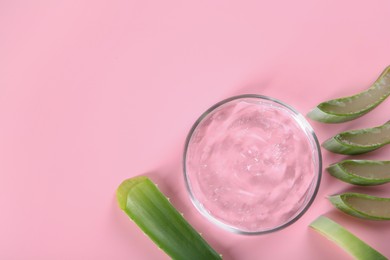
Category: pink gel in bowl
<point>252,164</point>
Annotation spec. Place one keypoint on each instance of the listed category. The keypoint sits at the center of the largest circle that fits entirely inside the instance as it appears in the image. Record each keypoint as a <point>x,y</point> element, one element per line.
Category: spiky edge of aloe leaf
<point>320,114</point>
<point>339,201</point>
<point>345,239</point>
<point>338,171</point>
<point>337,145</point>
<point>143,202</point>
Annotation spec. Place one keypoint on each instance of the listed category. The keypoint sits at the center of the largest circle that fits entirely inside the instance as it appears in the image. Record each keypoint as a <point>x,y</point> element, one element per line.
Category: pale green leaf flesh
<point>359,141</point>
<point>361,172</point>
<point>362,205</point>
<point>348,108</point>
<point>345,239</point>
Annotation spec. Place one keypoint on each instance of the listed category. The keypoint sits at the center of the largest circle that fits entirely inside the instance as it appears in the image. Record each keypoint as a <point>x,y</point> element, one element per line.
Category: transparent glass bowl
<point>252,164</point>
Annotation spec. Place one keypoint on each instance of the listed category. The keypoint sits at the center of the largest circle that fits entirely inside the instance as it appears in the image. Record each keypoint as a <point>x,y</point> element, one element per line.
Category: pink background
<point>93,92</point>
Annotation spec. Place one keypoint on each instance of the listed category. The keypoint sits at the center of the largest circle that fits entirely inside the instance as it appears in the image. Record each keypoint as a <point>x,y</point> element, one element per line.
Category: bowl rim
<point>304,124</point>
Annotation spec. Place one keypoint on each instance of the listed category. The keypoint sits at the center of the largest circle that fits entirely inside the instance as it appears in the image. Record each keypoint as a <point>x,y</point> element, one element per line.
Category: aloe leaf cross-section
<point>359,141</point>
<point>143,202</point>
<point>361,172</point>
<point>362,205</point>
<point>348,108</point>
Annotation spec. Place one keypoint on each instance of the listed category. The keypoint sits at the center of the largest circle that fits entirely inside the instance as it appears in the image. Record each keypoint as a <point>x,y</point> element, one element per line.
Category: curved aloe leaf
<point>348,108</point>
<point>345,239</point>
<point>142,201</point>
<point>362,205</point>
<point>361,172</point>
<point>359,141</point>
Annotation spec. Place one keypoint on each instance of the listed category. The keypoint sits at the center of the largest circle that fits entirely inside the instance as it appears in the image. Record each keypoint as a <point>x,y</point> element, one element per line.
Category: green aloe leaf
<point>345,239</point>
<point>142,201</point>
<point>362,205</point>
<point>348,108</point>
<point>361,172</point>
<point>359,141</point>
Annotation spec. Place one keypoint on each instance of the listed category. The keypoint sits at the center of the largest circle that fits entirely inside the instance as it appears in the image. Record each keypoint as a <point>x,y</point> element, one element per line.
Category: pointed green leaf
<point>142,201</point>
<point>361,172</point>
<point>348,108</point>
<point>359,141</point>
<point>362,205</point>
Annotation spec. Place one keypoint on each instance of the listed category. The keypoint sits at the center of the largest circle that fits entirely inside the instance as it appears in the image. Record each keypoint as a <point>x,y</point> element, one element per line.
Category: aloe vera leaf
<point>348,108</point>
<point>359,141</point>
<point>362,205</point>
<point>361,172</point>
<point>345,239</point>
<point>143,202</point>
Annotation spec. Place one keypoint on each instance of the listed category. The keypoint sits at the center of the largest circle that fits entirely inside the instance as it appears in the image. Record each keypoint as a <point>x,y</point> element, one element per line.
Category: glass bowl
<point>252,164</point>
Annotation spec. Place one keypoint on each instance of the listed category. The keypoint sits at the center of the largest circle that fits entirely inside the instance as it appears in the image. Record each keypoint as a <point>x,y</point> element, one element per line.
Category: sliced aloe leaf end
<point>348,108</point>
<point>361,172</point>
<point>362,205</point>
<point>320,114</point>
<point>359,141</point>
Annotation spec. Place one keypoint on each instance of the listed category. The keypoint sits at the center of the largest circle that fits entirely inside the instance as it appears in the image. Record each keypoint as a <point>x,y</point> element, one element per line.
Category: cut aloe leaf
<point>361,172</point>
<point>142,201</point>
<point>348,108</point>
<point>362,205</point>
<point>345,239</point>
<point>359,141</point>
